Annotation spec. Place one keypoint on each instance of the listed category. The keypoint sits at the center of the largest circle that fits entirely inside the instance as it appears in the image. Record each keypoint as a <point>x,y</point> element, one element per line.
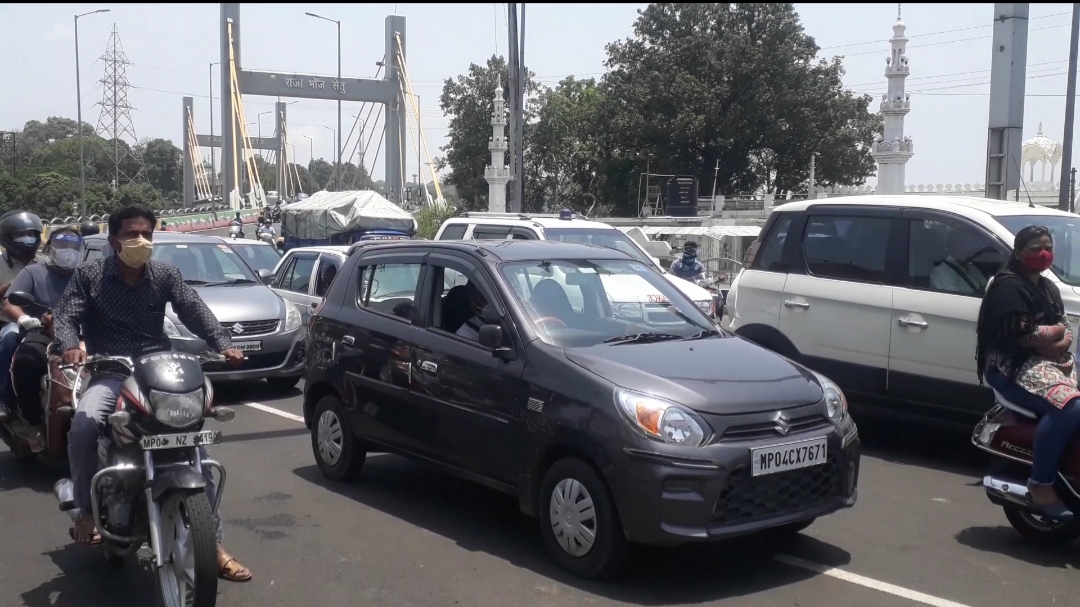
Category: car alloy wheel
<point>573,517</point>
<point>329,437</point>
<point>579,521</point>
<point>339,454</point>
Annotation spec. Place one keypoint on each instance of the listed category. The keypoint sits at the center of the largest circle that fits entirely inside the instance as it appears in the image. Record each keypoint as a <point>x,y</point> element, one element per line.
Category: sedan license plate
<point>789,456</point>
<point>248,346</point>
<point>180,441</point>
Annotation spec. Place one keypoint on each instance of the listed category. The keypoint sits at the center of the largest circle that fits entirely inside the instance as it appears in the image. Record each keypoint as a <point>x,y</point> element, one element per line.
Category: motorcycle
<point>150,484</point>
<point>1007,432</point>
<point>236,231</point>
<point>266,237</point>
<point>49,437</point>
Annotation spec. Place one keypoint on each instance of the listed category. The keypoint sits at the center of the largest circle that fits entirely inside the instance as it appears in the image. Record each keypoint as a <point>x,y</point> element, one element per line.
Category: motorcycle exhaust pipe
<point>1006,491</point>
<point>64,491</point>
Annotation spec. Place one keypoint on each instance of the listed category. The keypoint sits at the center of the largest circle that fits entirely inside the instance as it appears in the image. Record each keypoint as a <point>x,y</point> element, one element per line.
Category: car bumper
<point>670,500</point>
<point>282,355</point>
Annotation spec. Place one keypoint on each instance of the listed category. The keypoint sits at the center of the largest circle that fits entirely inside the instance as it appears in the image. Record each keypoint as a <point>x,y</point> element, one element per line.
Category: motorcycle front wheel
<point>188,577</point>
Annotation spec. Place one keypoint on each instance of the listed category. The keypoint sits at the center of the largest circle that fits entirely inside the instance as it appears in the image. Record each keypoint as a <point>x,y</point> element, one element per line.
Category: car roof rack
<point>496,215</point>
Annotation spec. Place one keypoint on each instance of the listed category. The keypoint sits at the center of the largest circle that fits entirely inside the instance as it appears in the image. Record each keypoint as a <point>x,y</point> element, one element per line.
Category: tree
<point>736,84</point>
<point>163,168</point>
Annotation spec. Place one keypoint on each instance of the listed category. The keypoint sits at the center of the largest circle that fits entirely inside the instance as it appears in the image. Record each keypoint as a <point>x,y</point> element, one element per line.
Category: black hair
<point>133,211</point>
<point>1022,240</point>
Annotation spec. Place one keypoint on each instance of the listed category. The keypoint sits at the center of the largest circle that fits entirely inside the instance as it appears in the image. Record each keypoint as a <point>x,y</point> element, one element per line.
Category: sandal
<point>237,573</point>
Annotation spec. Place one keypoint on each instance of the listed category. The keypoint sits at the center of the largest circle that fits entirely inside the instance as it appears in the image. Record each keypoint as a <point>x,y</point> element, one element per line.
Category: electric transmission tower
<point>115,120</point>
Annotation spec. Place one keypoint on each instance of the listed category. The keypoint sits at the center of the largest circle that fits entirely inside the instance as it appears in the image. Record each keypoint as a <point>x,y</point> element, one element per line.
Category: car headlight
<point>170,329</point>
<point>835,402</point>
<point>178,410</point>
<point>292,317</point>
<point>705,306</point>
<point>660,420</point>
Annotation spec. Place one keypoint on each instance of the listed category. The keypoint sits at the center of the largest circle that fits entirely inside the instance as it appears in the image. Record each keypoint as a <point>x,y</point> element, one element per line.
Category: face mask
<point>135,252</point>
<point>1038,261</point>
<point>67,259</point>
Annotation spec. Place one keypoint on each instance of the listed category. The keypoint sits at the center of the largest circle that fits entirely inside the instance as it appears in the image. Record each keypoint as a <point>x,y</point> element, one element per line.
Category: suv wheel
<point>282,384</point>
<point>579,521</point>
<point>337,451</point>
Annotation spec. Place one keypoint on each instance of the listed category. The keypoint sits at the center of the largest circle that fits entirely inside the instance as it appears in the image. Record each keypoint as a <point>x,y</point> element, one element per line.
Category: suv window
<point>454,232</point>
<point>769,256</point>
<point>389,288</point>
<point>950,257</point>
<point>491,232</point>
<point>297,275</point>
<point>846,248</point>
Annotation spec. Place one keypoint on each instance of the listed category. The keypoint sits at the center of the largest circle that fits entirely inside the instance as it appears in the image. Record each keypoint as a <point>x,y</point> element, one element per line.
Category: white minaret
<point>496,173</point>
<point>894,149</point>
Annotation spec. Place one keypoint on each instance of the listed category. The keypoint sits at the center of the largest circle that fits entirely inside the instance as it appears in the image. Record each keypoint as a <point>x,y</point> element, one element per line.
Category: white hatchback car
<point>882,293</point>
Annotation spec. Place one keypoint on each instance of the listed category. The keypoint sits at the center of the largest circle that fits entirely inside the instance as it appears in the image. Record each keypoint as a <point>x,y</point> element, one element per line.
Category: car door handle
<point>348,340</point>
<point>429,366</point>
<point>907,322</point>
<point>791,303</point>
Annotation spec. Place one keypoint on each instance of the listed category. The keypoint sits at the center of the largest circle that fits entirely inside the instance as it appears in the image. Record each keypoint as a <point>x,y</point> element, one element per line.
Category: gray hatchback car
<point>265,327</point>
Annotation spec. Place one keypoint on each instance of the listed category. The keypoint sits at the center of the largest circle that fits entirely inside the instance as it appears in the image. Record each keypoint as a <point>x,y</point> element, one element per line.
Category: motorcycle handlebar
<point>204,358</point>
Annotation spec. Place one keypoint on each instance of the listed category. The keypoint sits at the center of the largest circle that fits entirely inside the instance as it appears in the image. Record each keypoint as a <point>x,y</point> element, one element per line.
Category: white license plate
<point>789,456</point>
<point>248,346</point>
<point>180,441</point>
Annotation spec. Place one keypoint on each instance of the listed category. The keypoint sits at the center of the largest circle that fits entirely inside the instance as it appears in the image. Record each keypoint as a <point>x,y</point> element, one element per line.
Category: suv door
<point>756,313</point>
<point>949,262</point>
<point>475,398</point>
<point>294,277</point>
<point>837,302</point>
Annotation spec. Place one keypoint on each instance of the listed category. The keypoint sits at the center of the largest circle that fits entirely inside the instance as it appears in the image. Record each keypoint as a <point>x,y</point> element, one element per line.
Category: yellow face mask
<point>135,252</point>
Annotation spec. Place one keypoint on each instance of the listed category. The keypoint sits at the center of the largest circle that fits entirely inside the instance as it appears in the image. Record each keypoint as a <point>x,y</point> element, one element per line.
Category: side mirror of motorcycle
<point>22,299</point>
<point>266,276</point>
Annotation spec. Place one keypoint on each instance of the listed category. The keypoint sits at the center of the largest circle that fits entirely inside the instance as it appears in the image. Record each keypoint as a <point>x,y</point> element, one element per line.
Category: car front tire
<point>579,521</point>
<point>338,452</point>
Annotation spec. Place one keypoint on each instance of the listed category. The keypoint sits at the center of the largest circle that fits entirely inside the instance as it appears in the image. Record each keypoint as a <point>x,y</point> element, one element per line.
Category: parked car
<point>568,227</point>
<point>259,255</point>
<point>266,328</point>
<point>303,274</point>
<point>882,294</point>
<point>609,431</point>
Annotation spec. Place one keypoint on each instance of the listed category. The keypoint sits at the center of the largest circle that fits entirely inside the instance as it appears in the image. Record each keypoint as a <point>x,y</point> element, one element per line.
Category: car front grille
<point>747,498</point>
<point>250,328</point>
<point>798,425</point>
<point>261,361</point>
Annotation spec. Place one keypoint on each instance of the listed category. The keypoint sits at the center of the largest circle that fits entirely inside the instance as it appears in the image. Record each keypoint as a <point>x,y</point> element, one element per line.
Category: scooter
<point>49,437</point>
<point>1007,432</point>
<point>236,231</point>
<point>266,237</point>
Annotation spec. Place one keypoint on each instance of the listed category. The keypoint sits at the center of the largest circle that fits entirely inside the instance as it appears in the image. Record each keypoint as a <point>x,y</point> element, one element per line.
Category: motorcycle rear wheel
<point>189,545</point>
<point>1035,528</point>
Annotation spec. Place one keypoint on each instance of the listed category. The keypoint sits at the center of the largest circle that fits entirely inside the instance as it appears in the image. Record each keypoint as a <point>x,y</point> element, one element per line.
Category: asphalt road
<point>403,535</point>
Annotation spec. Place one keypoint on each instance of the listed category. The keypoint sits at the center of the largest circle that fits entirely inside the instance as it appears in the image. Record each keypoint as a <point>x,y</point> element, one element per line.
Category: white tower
<point>893,149</point>
<point>496,173</point>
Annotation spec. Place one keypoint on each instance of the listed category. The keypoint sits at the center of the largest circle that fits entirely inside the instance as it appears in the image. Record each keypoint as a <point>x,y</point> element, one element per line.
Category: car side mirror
<point>491,337</point>
<point>266,276</point>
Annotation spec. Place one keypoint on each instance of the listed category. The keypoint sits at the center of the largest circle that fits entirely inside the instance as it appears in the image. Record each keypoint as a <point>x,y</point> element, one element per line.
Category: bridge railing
<point>206,217</point>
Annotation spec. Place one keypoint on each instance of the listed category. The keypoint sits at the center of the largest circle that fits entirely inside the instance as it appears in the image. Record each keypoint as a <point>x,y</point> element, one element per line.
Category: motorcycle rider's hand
<point>28,322</point>
<point>46,319</point>
<point>75,356</point>
<point>233,356</point>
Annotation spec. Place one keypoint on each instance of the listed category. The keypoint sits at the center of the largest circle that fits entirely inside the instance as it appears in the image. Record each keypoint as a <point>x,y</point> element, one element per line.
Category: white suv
<point>567,227</point>
<point>882,293</point>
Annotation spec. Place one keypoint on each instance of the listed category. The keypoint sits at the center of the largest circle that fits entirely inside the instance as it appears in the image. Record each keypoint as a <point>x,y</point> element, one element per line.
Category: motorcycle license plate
<point>789,456</point>
<point>180,441</point>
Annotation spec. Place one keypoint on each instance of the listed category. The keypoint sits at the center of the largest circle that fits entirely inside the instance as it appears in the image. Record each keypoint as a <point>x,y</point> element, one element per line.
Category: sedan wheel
<point>573,517</point>
<point>579,521</point>
<point>337,451</point>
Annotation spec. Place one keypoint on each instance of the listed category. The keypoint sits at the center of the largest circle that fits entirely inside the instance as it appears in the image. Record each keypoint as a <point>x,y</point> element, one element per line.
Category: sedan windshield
<point>1066,233</point>
<point>259,257</point>
<point>205,263</point>
<point>609,238</point>
<point>570,302</point>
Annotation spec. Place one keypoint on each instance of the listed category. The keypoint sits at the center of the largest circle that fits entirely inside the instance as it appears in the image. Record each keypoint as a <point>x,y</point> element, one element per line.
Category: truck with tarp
<point>342,218</point>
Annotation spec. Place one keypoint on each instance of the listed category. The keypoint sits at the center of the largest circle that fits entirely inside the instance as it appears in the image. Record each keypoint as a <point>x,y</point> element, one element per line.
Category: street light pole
<point>78,102</point>
<point>336,173</point>
<point>337,168</point>
<point>213,159</point>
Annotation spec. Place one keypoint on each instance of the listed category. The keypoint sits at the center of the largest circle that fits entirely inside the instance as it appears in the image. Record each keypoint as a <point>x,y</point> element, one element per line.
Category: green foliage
<point>429,218</point>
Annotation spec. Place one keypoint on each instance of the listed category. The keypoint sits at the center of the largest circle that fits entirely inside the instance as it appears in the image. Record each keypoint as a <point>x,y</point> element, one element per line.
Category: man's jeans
<point>96,404</point>
<point>1055,430</point>
<point>9,341</point>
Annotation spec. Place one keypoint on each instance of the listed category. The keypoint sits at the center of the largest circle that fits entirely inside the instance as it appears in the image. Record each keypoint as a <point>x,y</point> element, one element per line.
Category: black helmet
<point>89,228</point>
<point>20,221</point>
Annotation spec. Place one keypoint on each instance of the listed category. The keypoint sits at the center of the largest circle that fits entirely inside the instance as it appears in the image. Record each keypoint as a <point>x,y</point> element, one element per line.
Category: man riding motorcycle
<point>46,283</point>
<point>237,221</point>
<point>266,228</point>
<point>20,236</point>
<point>688,267</point>
<point>119,302</point>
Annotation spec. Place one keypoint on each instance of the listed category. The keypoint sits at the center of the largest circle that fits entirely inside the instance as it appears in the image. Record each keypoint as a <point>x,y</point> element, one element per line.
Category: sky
<point>170,48</point>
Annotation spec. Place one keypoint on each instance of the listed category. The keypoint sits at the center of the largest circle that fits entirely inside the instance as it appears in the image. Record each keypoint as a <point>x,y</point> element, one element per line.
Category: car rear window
<point>453,232</point>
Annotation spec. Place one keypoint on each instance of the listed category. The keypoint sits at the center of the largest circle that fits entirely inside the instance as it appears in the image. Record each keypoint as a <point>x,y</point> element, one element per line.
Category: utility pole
<point>512,69</point>
<point>715,179</point>
<point>213,160</point>
<point>810,189</point>
<point>78,102</point>
<point>1070,112</point>
<point>1008,77</point>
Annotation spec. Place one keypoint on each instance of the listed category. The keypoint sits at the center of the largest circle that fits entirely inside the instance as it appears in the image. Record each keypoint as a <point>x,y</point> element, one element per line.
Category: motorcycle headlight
<point>170,329</point>
<point>292,317</point>
<point>660,420</point>
<point>835,402</point>
<point>178,410</point>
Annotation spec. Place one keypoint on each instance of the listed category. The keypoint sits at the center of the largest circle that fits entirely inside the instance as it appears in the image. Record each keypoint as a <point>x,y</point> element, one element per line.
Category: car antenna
<point>1031,205</point>
<point>479,251</point>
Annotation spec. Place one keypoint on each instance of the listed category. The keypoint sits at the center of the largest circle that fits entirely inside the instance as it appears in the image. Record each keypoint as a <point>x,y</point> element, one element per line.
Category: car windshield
<point>259,257</point>
<point>609,238</point>
<point>571,302</point>
<point>1066,233</point>
<point>205,263</point>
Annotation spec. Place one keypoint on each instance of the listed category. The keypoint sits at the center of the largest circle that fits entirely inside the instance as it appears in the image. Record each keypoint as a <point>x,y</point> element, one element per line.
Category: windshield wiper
<point>231,281</point>
<point>192,281</point>
<point>703,334</point>
<point>641,337</point>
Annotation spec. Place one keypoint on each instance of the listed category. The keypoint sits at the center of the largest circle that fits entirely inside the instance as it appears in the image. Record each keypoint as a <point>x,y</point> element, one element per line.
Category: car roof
<point>549,221</point>
<point>342,249</point>
<point>971,207</point>
<point>245,242</point>
<point>511,250</point>
<point>172,237</point>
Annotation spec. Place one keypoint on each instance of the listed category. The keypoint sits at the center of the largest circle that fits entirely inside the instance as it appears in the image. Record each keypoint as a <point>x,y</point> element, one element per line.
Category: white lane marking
<point>273,411</point>
<point>866,582</point>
